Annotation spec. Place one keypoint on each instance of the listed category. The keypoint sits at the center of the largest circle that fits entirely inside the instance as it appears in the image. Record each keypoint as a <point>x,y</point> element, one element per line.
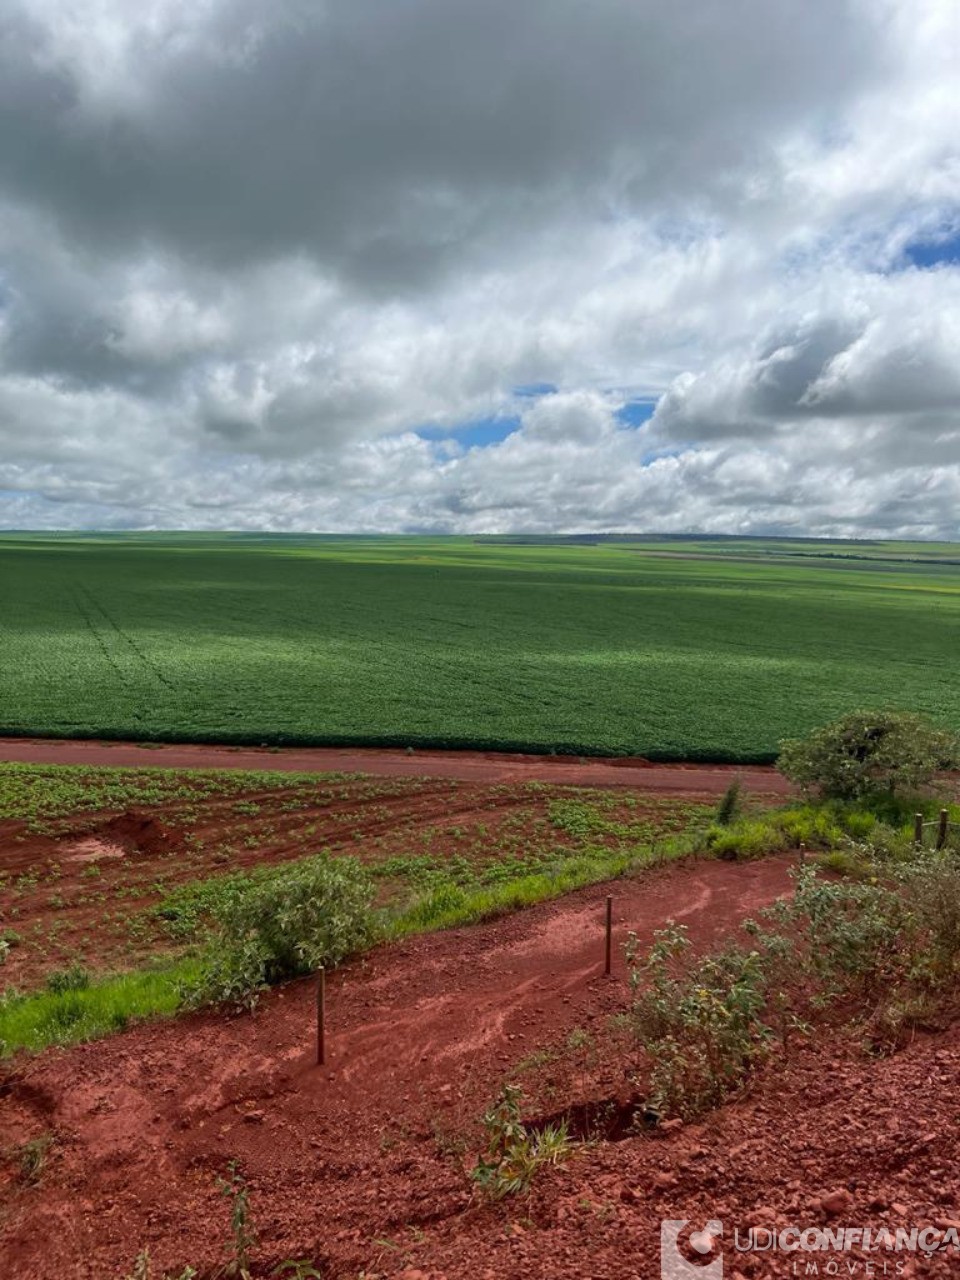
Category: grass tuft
<point>111,1004</point>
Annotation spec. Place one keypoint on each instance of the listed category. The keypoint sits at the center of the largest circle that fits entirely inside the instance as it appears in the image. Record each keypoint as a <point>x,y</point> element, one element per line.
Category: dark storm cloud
<point>383,138</point>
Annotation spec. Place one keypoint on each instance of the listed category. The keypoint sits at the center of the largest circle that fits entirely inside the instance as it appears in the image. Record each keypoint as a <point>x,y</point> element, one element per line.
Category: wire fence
<point>942,824</point>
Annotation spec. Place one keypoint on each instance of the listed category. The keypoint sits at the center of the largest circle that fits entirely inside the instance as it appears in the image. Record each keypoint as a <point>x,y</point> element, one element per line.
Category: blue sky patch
<point>473,435</point>
<point>534,390</point>
<point>936,251</point>
<point>637,412</point>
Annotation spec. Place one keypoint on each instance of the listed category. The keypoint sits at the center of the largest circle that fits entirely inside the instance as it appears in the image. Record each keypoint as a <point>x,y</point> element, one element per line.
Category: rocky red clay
<point>420,1037</point>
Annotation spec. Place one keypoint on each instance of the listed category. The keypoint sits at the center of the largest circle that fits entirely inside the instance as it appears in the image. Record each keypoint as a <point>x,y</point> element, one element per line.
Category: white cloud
<point>243,259</point>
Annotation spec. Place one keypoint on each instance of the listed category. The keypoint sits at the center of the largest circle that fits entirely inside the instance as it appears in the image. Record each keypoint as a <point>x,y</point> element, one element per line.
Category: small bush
<point>885,957</point>
<point>931,885</point>
<point>514,1153</point>
<point>867,752</point>
<point>729,806</point>
<point>701,1025</point>
<point>856,935</point>
<point>76,978</point>
<point>311,916</point>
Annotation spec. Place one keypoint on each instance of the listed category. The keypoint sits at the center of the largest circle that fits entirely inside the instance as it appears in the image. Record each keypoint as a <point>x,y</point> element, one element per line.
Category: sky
<point>481,267</point>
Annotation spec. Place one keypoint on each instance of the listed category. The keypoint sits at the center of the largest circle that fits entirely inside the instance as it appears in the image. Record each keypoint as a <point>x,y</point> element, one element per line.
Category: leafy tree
<point>867,752</point>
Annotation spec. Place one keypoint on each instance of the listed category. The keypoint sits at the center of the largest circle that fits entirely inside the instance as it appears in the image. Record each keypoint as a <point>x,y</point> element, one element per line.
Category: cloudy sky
<point>481,265</point>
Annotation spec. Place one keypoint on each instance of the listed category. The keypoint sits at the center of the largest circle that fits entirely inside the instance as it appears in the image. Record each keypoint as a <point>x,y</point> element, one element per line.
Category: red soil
<point>84,893</point>
<point>827,1139</point>
<point>355,1165</point>
<point>349,1165</point>
<point>469,766</point>
<point>420,1037</point>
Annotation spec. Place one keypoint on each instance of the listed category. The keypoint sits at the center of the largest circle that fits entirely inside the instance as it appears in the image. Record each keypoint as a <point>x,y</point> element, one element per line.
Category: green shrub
<point>514,1153</point>
<point>76,978</point>
<point>856,935</point>
<point>748,838</point>
<point>866,752</point>
<point>931,884</point>
<point>311,916</point>
<point>817,827</point>
<point>700,1024</point>
<point>832,825</point>
<point>891,943</point>
<point>729,806</point>
<point>885,956</point>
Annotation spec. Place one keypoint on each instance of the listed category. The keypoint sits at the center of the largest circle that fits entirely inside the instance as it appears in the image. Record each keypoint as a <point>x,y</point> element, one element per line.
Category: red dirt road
<point>468,766</point>
<point>341,1159</point>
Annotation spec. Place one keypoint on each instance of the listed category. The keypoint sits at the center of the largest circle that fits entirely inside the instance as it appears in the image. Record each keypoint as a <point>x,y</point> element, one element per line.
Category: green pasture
<point>669,648</point>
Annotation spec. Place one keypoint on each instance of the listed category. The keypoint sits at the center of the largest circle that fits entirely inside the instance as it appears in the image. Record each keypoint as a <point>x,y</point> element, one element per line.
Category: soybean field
<point>683,648</point>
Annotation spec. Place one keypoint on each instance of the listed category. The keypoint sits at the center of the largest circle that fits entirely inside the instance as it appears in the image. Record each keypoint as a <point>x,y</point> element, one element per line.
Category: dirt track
<point>421,1035</point>
<point>356,1165</point>
<point>468,766</point>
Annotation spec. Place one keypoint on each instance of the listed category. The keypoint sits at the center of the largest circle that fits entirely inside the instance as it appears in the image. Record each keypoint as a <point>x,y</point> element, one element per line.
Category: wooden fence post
<point>321,1017</point>
<point>942,828</point>
<point>918,829</point>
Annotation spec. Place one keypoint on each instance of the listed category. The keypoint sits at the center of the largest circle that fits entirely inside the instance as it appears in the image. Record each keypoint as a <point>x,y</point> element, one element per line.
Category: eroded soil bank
<point>354,1165</point>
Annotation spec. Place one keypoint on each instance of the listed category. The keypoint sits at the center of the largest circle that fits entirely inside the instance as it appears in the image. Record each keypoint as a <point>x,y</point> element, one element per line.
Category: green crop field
<point>683,648</point>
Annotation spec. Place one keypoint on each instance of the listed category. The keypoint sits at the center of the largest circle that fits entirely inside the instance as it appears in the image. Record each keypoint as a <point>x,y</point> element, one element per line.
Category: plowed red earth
<point>86,891</point>
<point>358,1165</point>
<point>469,766</point>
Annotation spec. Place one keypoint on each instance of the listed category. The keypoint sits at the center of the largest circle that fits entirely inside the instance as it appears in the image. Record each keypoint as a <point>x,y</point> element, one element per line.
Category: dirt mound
<point>141,833</point>
<point>129,834</point>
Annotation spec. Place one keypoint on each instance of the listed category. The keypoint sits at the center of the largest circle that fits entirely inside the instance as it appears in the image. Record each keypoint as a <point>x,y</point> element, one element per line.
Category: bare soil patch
<point>339,1157</point>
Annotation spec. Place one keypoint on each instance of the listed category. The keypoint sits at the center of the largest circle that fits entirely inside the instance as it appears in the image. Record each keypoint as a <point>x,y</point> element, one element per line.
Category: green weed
<point>514,1154</point>
<point>243,1234</point>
